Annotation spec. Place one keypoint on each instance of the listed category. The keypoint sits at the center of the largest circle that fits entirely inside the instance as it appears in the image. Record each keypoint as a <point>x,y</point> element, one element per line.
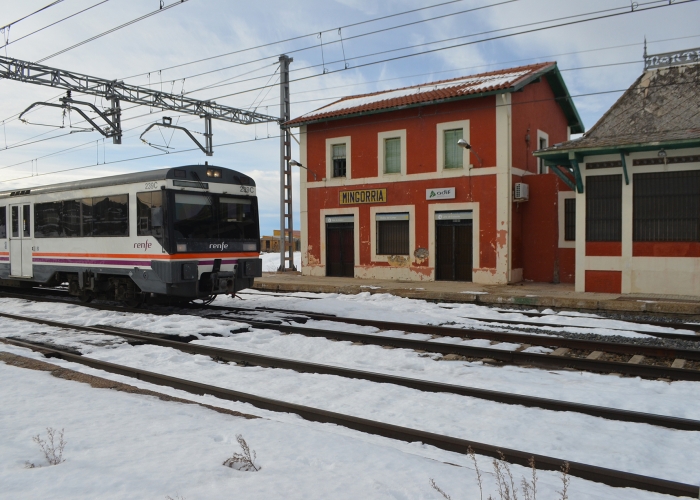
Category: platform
<point>539,295</point>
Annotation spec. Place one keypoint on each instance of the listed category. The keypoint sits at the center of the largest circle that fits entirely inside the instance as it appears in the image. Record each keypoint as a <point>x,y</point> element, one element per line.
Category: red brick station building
<point>390,194</point>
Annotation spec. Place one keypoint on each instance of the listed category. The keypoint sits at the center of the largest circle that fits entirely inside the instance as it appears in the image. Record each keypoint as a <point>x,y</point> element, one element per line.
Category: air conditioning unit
<point>521,192</point>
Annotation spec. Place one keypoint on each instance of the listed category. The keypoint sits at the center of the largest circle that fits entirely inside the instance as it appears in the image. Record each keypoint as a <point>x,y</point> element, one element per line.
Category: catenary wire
<point>30,15</point>
<point>53,24</point>
<point>311,47</point>
<point>214,85</point>
<point>294,38</point>
<point>499,37</point>
<point>455,38</point>
<point>112,30</point>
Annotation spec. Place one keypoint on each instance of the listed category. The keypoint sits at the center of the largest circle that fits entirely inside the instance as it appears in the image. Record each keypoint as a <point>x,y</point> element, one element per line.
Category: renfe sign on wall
<point>363,196</point>
<point>440,194</point>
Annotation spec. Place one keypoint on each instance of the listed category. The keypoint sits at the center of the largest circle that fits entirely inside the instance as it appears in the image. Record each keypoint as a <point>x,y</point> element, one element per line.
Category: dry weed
<point>243,461</point>
<point>52,447</point>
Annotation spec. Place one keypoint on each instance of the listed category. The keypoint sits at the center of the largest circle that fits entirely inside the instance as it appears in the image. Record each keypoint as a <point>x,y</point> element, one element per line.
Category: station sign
<point>440,194</point>
<point>363,196</point>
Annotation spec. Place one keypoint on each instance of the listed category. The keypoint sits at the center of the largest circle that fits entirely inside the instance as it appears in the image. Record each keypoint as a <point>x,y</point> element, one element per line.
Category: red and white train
<point>187,232</point>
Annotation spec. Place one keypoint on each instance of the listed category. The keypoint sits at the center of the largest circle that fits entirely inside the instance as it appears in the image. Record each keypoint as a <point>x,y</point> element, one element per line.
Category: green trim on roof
<point>562,155</point>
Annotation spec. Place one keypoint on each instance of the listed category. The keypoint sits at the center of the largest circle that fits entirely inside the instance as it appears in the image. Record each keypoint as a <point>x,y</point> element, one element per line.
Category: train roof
<point>193,172</point>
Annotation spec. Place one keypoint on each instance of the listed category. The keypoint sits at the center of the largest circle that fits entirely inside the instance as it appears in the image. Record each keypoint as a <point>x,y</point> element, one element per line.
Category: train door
<point>340,246</point>
<point>453,242</point>
<point>21,240</point>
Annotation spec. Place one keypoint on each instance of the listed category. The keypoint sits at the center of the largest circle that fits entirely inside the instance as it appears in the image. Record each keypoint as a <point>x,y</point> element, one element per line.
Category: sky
<point>335,46</point>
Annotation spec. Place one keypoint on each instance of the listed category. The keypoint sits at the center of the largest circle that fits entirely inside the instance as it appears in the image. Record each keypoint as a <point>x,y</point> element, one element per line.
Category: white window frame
<point>440,142</point>
<point>541,167</point>
<point>381,137</point>
<point>330,142</point>
<point>411,211</point>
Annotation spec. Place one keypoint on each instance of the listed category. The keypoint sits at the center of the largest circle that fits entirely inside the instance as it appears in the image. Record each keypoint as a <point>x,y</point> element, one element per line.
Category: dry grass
<point>52,447</point>
<point>243,461</point>
<point>507,488</point>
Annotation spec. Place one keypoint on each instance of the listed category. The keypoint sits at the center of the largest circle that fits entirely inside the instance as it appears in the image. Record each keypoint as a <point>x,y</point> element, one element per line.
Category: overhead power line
<point>53,24</point>
<point>315,33</point>
<point>315,46</point>
<point>129,23</point>
<point>499,37</point>
<point>30,15</point>
<point>625,10</point>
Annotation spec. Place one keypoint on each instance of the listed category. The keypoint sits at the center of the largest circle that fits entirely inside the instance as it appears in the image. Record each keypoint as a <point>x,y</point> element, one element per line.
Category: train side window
<point>70,218</point>
<point>86,216</point>
<point>26,218</point>
<point>149,214</point>
<point>47,220</point>
<point>15,222</point>
<point>3,222</point>
<point>110,215</point>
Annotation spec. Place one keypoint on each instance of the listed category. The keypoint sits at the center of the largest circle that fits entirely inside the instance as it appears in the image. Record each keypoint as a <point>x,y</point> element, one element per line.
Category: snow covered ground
<point>380,468</point>
<point>271,261</point>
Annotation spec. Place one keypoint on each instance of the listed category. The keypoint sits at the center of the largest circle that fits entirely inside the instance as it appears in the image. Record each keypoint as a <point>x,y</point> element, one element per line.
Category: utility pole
<point>286,221</point>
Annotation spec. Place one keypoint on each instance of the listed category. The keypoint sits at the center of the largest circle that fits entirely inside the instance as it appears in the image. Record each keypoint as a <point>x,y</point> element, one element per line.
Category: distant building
<point>390,194</point>
<point>272,243</point>
<point>637,174</point>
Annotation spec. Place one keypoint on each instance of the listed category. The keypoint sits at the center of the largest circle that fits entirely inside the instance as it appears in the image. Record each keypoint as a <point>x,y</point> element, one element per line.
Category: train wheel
<point>204,301</point>
<point>134,302</point>
<point>85,296</point>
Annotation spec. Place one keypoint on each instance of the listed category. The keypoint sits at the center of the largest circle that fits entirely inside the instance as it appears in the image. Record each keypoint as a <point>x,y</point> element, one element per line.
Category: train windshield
<point>213,216</point>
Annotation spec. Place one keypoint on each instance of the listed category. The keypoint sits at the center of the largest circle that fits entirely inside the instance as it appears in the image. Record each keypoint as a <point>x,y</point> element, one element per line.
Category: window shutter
<point>392,156</point>
<point>453,153</point>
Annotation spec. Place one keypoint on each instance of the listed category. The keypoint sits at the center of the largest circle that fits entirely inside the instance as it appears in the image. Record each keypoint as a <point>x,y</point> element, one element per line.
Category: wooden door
<point>340,250</point>
<point>453,241</point>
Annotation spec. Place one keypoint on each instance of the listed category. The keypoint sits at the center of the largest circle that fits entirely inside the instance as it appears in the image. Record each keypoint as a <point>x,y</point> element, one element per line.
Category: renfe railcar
<point>187,233</point>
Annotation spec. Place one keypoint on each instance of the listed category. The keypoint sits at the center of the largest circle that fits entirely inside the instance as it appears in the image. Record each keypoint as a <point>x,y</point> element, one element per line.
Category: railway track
<point>628,359</point>
<point>594,473</point>
<point>248,359</point>
<point>600,315</point>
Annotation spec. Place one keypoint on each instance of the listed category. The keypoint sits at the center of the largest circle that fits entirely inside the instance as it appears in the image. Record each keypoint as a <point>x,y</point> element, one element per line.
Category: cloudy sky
<point>598,58</point>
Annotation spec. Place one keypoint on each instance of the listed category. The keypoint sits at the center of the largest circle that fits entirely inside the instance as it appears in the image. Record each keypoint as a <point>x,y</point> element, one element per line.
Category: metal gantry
<point>38,74</point>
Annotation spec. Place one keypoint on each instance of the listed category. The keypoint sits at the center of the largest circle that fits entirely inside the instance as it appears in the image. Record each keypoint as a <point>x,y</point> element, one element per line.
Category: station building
<point>390,194</point>
<point>637,180</point>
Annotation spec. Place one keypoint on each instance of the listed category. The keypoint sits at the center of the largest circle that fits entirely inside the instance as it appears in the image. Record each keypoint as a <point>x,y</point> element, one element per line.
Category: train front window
<point>194,216</point>
<point>237,219</point>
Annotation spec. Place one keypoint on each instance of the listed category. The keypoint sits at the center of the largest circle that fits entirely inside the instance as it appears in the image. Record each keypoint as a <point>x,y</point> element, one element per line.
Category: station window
<point>454,157</point>
<point>339,160</point>
<point>392,155</point>
<point>392,234</point>
<point>604,208</point>
<point>3,222</point>
<point>149,214</point>
<point>667,206</point>
<point>570,219</point>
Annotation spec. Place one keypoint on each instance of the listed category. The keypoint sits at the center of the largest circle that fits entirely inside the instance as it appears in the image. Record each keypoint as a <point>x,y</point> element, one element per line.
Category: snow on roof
<point>444,89</point>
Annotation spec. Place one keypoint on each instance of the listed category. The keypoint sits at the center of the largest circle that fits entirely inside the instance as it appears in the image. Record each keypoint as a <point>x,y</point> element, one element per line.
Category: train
<point>178,234</point>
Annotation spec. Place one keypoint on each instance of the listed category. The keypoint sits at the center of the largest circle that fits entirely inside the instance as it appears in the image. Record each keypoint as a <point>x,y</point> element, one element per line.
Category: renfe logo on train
<point>145,245</point>
<point>363,196</point>
<point>218,246</point>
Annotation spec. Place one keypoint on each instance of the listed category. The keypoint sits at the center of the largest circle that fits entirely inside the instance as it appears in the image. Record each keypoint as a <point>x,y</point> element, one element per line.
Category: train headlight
<point>182,247</point>
<point>214,172</point>
<point>249,247</point>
